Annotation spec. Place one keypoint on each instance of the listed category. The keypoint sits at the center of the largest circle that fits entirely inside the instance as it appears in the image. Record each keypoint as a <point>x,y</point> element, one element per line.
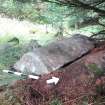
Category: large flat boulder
<point>55,55</point>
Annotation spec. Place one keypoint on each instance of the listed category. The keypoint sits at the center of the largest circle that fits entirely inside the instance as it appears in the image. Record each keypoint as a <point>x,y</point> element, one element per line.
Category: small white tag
<point>5,71</point>
<point>18,73</point>
<point>33,77</point>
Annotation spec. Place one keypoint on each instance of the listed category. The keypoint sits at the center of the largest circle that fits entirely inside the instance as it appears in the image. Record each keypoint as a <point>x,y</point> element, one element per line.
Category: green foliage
<point>91,29</point>
<point>9,56</point>
<point>55,102</point>
<point>14,41</point>
<point>37,12</point>
<point>17,9</point>
<point>54,13</point>
<point>49,13</point>
<point>96,70</point>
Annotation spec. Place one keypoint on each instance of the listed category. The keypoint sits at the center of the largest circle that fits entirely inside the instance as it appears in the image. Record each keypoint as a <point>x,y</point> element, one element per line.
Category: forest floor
<point>78,85</point>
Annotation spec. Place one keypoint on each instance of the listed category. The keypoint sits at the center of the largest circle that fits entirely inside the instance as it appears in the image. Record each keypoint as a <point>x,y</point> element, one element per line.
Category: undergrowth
<point>9,56</point>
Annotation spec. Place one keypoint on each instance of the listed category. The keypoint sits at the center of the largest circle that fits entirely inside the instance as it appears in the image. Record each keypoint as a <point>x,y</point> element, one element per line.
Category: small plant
<point>96,70</point>
<point>55,102</point>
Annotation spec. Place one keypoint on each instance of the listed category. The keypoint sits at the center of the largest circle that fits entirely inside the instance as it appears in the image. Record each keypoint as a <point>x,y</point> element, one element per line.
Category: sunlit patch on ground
<point>25,30</point>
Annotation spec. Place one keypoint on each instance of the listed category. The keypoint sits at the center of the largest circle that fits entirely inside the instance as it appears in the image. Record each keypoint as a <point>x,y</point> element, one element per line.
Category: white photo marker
<point>21,74</point>
<point>12,72</point>
<point>54,80</point>
<point>18,73</point>
<point>6,71</point>
<point>33,77</point>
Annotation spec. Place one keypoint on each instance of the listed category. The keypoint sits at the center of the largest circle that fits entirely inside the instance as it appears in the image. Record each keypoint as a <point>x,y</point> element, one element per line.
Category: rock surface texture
<point>55,55</point>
